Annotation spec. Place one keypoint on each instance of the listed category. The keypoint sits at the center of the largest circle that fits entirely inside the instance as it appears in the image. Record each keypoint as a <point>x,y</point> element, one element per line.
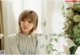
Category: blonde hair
<point>29,14</point>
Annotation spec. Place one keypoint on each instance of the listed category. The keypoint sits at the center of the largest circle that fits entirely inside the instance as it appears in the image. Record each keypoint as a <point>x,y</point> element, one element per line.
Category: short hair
<point>29,14</point>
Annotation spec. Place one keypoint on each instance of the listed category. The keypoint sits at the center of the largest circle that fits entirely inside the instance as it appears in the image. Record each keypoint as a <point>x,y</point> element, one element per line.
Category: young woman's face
<point>26,26</point>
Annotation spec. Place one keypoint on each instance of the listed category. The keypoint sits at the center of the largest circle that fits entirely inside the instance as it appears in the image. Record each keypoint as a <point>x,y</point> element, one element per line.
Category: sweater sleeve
<point>12,46</point>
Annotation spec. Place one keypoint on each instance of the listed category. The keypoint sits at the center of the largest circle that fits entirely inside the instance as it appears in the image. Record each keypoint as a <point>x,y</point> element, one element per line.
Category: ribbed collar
<point>24,35</point>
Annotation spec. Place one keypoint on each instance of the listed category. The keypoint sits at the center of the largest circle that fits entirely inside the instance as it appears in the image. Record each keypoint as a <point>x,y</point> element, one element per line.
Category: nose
<point>26,23</point>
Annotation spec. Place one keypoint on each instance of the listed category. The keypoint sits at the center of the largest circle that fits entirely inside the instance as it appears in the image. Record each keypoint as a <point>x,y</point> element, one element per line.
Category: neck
<point>26,33</point>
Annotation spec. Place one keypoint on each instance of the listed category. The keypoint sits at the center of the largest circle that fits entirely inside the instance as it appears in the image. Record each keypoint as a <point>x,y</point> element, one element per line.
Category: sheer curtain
<point>51,13</point>
<point>8,19</point>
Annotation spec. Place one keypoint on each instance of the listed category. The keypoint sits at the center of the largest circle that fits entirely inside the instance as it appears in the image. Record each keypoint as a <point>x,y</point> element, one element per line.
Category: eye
<point>22,20</point>
<point>30,21</point>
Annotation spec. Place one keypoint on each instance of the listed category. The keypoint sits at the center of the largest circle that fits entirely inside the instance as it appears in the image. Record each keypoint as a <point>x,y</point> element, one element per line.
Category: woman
<point>24,42</point>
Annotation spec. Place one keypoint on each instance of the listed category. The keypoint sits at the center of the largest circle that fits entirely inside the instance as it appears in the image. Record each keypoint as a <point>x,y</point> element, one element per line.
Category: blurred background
<point>49,13</point>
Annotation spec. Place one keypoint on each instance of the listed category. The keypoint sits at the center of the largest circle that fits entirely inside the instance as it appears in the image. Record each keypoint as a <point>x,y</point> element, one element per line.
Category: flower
<point>68,4</point>
<point>69,13</point>
<point>76,18</point>
<point>66,24</point>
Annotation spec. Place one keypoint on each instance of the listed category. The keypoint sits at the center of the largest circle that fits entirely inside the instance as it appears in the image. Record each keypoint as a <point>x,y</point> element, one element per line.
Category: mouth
<point>25,27</point>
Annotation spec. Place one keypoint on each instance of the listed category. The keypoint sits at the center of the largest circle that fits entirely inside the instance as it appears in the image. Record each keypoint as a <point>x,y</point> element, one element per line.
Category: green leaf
<point>46,37</point>
<point>73,49</point>
<point>56,39</point>
<point>48,52</point>
<point>53,49</point>
<point>50,44</point>
<point>42,46</point>
<point>54,34</point>
<point>59,34</point>
<point>44,23</point>
<point>51,39</point>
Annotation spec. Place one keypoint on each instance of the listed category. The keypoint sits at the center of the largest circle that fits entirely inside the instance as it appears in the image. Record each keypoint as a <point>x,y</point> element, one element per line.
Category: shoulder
<point>12,36</point>
<point>37,34</point>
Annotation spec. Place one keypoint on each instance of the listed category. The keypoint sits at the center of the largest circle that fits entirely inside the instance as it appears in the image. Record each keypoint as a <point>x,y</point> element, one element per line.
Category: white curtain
<point>52,16</point>
<point>8,20</point>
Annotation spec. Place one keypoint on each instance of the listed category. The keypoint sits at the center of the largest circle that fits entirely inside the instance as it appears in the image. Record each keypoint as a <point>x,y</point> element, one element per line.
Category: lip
<point>25,28</point>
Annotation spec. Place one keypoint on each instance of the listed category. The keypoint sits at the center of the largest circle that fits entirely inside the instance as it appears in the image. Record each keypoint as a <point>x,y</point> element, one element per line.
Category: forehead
<point>28,19</point>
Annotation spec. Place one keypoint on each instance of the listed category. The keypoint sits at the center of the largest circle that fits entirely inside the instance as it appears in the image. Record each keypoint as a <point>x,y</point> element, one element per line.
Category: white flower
<point>68,4</point>
<point>69,13</point>
<point>76,18</point>
<point>66,24</point>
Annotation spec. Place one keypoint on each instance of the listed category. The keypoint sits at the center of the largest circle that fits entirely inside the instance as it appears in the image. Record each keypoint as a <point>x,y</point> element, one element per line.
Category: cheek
<point>21,25</point>
<point>31,26</point>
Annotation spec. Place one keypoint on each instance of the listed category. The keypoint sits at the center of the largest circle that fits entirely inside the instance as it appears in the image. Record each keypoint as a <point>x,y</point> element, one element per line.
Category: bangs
<point>28,16</point>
